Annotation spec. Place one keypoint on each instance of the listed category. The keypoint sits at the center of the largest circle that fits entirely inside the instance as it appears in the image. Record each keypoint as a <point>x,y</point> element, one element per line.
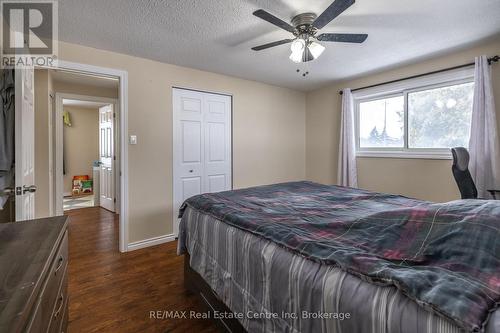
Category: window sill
<point>428,155</point>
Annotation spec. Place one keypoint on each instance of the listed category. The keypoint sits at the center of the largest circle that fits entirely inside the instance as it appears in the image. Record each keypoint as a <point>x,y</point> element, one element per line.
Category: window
<point>420,118</point>
<point>440,117</point>
<point>381,123</point>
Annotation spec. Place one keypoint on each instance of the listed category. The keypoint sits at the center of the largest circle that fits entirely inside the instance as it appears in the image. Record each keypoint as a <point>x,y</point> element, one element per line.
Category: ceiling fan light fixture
<point>316,49</point>
<point>304,27</point>
<point>298,45</point>
<point>304,51</point>
<point>296,56</point>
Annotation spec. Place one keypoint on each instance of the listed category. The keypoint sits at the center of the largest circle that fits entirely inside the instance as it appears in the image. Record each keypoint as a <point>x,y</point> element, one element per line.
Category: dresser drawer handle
<point>59,264</point>
<point>61,298</point>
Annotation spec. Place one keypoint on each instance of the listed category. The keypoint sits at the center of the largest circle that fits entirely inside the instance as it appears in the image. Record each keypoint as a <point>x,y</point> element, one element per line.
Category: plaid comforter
<point>446,257</point>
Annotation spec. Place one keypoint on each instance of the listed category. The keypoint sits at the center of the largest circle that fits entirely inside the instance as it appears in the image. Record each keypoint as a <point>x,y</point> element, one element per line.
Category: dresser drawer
<point>64,324</point>
<point>50,295</point>
<point>60,309</point>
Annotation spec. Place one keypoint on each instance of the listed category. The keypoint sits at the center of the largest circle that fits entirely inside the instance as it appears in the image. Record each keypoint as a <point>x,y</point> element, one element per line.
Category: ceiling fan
<point>304,27</point>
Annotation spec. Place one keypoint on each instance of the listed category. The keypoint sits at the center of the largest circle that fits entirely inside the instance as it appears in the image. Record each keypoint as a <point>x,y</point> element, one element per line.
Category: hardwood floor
<point>111,291</point>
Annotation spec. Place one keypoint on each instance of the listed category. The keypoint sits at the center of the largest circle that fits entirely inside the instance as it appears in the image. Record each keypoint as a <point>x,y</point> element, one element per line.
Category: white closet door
<point>217,170</point>
<point>201,145</point>
<point>188,152</point>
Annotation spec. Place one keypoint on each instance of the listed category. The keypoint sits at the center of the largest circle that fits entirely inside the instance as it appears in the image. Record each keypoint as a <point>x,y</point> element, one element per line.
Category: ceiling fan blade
<point>273,20</point>
<point>334,10</point>
<point>273,44</point>
<point>343,38</point>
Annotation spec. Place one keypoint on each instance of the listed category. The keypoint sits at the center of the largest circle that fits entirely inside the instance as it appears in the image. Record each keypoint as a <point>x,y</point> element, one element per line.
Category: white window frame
<point>403,88</point>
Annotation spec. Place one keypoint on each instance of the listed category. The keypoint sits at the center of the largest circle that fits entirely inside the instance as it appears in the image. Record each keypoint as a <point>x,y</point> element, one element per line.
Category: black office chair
<point>461,173</point>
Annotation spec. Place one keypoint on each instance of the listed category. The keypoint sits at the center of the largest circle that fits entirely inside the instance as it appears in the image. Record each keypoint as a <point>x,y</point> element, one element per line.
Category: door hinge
<point>114,158</point>
<point>114,200</point>
<point>114,115</point>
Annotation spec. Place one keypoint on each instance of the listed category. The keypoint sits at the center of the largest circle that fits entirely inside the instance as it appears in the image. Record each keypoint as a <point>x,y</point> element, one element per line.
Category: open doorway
<point>80,117</point>
<point>88,148</point>
<point>86,161</point>
<point>34,177</point>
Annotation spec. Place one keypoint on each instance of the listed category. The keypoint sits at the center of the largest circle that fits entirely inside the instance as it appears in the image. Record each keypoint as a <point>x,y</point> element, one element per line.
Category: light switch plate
<point>133,139</point>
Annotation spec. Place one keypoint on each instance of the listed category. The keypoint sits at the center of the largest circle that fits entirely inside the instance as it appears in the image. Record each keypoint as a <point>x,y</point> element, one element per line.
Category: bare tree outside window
<point>382,123</point>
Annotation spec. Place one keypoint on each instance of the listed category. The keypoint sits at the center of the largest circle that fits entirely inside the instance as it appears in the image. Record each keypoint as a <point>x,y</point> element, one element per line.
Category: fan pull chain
<point>305,70</point>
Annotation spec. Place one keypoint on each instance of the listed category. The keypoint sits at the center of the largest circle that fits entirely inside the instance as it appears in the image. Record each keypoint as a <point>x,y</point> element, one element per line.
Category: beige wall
<point>81,143</point>
<point>85,90</point>
<point>419,178</point>
<point>268,132</point>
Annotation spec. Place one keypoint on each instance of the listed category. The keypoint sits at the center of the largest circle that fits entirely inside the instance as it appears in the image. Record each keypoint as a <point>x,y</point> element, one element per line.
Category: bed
<point>305,257</point>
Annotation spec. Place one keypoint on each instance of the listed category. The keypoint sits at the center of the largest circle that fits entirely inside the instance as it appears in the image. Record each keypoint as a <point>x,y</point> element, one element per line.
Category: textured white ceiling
<point>216,35</point>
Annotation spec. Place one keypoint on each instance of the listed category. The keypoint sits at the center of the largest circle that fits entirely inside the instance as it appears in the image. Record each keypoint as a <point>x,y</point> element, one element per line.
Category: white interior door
<point>25,144</point>
<point>217,143</point>
<point>106,158</point>
<point>201,145</point>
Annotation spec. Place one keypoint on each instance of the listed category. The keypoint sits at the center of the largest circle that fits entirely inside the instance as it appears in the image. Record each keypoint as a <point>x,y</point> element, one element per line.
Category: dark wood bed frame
<point>196,284</point>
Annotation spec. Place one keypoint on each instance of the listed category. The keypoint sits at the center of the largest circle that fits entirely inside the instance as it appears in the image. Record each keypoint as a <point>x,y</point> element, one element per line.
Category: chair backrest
<point>461,173</point>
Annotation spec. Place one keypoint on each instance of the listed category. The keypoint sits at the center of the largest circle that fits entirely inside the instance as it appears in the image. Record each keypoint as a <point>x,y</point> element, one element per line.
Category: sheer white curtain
<point>484,146</point>
<point>347,170</point>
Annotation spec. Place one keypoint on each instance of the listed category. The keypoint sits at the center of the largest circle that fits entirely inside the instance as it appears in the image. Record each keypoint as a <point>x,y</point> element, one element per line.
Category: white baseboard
<point>67,194</point>
<point>150,242</point>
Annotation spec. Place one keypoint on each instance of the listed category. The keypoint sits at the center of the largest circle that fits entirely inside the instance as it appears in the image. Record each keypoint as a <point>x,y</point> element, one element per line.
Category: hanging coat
<point>7,139</point>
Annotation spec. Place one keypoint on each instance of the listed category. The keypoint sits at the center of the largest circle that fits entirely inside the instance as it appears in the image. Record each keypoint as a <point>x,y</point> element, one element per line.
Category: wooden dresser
<point>33,276</point>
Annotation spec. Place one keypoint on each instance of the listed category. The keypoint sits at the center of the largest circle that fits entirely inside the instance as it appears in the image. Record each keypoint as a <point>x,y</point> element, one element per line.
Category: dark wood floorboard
<point>111,291</point>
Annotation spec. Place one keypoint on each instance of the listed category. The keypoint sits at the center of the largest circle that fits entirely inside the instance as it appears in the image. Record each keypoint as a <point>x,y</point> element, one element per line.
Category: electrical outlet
<point>133,139</point>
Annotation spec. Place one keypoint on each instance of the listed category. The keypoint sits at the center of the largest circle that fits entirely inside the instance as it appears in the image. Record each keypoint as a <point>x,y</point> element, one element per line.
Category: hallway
<point>111,291</point>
